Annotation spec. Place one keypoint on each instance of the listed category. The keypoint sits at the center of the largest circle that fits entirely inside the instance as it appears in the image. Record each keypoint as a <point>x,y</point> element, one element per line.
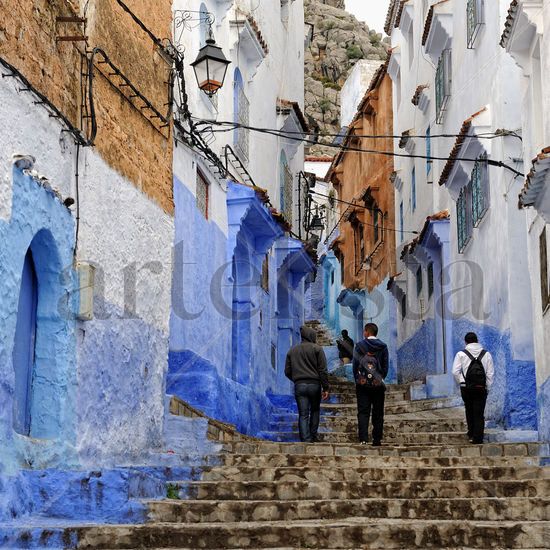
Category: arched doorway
<point>24,346</point>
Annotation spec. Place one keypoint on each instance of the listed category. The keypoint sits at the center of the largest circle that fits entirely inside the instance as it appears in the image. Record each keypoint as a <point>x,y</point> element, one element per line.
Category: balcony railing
<point>443,82</point>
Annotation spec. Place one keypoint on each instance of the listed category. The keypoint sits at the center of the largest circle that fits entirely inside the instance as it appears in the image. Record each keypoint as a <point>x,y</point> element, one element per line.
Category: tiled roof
<point>536,179</point>
<point>325,158</point>
<point>427,25</point>
<point>400,9</point>
<point>389,16</point>
<point>509,23</point>
<point>259,34</point>
<point>455,152</point>
<point>284,105</point>
<point>439,216</point>
<point>418,92</point>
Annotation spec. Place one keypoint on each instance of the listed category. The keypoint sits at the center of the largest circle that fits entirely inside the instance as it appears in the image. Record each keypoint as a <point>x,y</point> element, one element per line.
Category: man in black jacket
<point>306,366</point>
<point>345,347</point>
<point>371,398</point>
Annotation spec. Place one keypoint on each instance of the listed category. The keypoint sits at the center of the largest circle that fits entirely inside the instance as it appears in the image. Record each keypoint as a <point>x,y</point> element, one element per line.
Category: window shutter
<point>545,286</point>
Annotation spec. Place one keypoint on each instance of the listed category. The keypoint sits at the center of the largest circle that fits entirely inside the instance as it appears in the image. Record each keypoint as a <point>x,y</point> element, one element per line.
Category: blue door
<point>23,350</point>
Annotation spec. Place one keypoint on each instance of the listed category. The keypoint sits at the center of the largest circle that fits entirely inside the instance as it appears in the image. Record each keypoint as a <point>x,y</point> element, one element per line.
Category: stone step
<point>308,490</point>
<point>329,449</point>
<point>391,438</point>
<point>397,407</point>
<point>387,533</point>
<point>368,460</point>
<point>349,424</point>
<point>365,473</point>
<point>486,509</point>
<point>350,398</point>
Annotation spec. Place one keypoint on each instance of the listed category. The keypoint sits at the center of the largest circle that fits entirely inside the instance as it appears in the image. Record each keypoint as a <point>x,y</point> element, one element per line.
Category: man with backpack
<point>306,366</point>
<point>474,371</point>
<point>345,347</point>
<point>370,367</point>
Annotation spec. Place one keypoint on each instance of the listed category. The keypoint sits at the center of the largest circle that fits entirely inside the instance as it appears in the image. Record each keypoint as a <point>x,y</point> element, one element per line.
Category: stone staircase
<point>324,336</point>
<point>426,487</point>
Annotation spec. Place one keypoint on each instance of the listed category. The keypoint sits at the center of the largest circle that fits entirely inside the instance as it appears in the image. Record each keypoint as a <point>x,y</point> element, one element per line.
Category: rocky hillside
<point>339,41</point>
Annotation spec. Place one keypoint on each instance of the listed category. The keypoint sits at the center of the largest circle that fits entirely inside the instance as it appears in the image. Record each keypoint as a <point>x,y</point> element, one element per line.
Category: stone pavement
<point>426,487</point>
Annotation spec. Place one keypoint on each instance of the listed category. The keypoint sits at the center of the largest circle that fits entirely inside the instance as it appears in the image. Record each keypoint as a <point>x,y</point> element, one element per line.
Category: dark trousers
<point>474,403</point>
<point>370,399</point>
<point>308,399</point>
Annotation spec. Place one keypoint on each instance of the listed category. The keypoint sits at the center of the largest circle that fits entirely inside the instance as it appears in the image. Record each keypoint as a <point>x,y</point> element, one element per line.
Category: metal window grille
<point>419,281</point>
<point>413,189</point>
<point>429,161</point>
<point>443,83</point>
<point>243,118</point>
<point>544,282</point>
<point>202,194</point>
<point>474,20</point>
<point>464,217</point>
<point>480,190</point>
<point>430,279</point>
<point>287,192</point>
<point>401,222</point>
<point>265,274</point>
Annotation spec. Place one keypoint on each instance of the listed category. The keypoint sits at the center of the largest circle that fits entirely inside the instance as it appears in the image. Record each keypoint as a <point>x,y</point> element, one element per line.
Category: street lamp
<point>210,66</point>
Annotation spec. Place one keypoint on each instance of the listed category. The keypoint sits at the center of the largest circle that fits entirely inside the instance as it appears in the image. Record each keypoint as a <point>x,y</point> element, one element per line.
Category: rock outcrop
<point>339,41</point>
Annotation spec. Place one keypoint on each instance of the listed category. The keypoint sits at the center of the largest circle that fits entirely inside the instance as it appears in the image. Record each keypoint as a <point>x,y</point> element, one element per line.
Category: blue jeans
<point>308,399</point>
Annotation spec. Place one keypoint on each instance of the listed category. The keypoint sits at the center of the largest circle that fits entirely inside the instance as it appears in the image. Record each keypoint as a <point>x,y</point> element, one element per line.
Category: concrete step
<point>335,449</point>
<point>308,490</point>
<point>391,437</point>
<point>387,533</point>
<point>367,460</point>
<point>317,473</point>
<point>486,509</point>
<point>349,424</point>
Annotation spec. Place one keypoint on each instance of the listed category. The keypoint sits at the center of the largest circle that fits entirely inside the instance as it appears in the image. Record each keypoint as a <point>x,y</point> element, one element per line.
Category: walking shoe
<point>363,442</point>
<point>377,444</point>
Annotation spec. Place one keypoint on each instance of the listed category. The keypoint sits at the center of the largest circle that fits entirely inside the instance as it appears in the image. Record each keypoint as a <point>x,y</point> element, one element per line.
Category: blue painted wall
<point>416,357</point>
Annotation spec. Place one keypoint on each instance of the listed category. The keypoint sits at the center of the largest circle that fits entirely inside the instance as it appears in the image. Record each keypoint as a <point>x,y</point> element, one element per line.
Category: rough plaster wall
<point>121,361</point>
<point>125,138</point>
<point>123,351</point>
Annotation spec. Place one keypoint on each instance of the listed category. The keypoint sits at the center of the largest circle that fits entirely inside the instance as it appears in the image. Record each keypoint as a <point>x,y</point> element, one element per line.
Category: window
<point>401,222</point>
<point>376,224</point>
<point>286,187</point>
<point>332,277</point>
<point>464,217</point>
<point>544,282</point>
<point>413,189</point>
<point>474,20</point>
<point>430,279</point>
<point>419,281</point>
<point>443,82</point>
<point>359,237</point>
<point>429,161</point>
<point>202,194</point>
<point>403,306</point>
<point>241,110</point>
<point>265,274</point>
<point>480,190</point>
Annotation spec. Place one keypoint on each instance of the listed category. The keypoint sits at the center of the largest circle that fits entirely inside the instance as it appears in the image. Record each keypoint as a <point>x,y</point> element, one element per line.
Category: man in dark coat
<point>345,347</point>
<point>306,366</point>
<point>371,398</point>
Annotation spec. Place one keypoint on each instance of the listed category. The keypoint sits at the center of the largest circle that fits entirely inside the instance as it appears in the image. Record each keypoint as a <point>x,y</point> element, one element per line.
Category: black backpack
<point>368,372</point>
<point>475,377</point>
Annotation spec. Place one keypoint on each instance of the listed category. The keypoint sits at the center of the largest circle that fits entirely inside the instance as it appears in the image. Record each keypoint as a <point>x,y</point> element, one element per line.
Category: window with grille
<point>429,161</point>
<point>265,274</point>
<point>464,217</point>
<point>430,279</point>
<point>376,224</point>
<point>480,190</point>
<point>401,222</point>
<point>332,277</point>
<point>202,194</point>
<point>288,186</point>
<point>544,281</point>
<point>474,20</point>
<point>443,83</point>
<point>241,108</point>
<point>419,281</point>
<point>413,189</point>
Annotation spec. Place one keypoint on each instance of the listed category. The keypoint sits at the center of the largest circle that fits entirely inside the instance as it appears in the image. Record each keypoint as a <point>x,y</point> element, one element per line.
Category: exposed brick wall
<point>126,139</point>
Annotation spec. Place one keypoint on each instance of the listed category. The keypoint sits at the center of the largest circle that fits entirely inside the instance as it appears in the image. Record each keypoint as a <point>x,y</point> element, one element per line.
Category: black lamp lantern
<point>316,225</point>
<point>210,67</point>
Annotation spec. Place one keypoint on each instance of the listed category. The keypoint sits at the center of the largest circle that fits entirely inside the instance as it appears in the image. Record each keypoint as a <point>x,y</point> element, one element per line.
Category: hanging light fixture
<point>210,66</point>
